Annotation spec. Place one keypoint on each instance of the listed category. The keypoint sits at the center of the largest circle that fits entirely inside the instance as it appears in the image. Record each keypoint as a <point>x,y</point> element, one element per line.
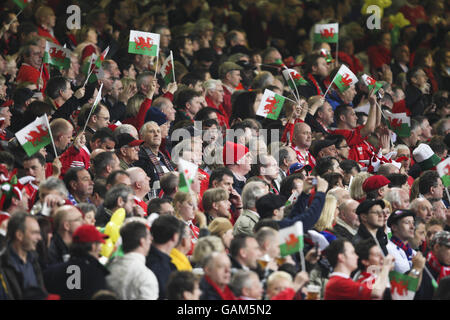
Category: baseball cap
<point>298,167</point>
<point>126,139</point>
<point>365,206</point>
<point>398,215</point>
<point>88,233</point>
<point>441,238</point>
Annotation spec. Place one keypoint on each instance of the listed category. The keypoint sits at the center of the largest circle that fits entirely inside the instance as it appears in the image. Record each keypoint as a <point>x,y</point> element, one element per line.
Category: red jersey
<point>360,148</point>
<point>341,287</point>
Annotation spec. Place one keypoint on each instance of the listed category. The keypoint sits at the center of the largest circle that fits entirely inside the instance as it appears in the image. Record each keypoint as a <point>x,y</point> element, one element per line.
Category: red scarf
<point>437,267</point>
<point>226,294</point>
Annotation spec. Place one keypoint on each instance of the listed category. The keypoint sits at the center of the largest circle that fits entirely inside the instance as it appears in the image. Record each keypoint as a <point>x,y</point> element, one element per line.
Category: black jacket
<point>208,292</point>
<point>14,279</point>
<point>161,265</point>
<point>342,233</point>
<point>426,290</point>
<point>415,101</point>
<point>57,251</point>
<point>92,278</point>
<point>364,234</point>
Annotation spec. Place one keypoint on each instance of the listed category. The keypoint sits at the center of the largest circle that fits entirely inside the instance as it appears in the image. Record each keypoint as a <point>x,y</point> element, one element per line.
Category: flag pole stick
<point>89,72</point>
<point>330,85</point>
<point>51,135</point>
<point>157,58</point>
<point>302,260</point>
<point>40,76</point>
<point>92,109</point>
<point>173,66</point>
<point>297,97</point>
<point>337,51</point>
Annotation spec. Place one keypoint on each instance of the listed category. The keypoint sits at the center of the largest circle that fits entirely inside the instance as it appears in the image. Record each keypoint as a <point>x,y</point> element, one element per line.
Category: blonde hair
<point>133,105</point>
<point>278,275</point>
<point>178,199</point>
<point>327,215</point>
<point>204,247</point>
<point>356,190</point>
<point>388,205</point>
<point>126,81</point>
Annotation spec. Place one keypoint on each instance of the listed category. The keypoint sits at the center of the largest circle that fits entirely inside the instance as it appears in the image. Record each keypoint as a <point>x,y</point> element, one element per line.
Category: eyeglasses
<point>379,213</point>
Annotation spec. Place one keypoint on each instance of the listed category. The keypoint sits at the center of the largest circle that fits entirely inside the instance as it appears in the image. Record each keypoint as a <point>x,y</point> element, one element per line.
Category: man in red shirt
<point>342,257</point>
<point>356,136</point>
<point>230,75</point>
<point>30,70</point>
<point>301,142</point>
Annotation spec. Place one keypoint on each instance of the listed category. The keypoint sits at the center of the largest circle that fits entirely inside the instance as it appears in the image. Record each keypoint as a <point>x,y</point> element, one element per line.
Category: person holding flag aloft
<point>316,71</point>
<point>342,90</point>
<point>356,136</point>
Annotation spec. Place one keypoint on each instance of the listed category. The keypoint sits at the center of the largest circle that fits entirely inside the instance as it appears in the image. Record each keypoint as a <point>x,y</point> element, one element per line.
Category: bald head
<point>347,212</point>
<point>136,174</point>
<point>340,194</point>
<point>302,135</point>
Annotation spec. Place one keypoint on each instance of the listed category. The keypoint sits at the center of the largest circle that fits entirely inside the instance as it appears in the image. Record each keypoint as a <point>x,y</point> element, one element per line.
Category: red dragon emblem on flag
<point>396,123</point>
<point>295,75</point>
<point>447,169</point>
<point>400,287</point>
<point>143,43</point>
<point>327,33</point>
<point>291,241</point>
<point>346,80</point>
<point>371,81</point>
<point>57,54</point>
<point>270,107</point>
<point>36,136</point>
<point>168,68</point>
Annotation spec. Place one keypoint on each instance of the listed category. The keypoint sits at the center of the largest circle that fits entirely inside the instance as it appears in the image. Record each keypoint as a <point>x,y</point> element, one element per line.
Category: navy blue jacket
<point>161,265</point>
<point>309,217</point>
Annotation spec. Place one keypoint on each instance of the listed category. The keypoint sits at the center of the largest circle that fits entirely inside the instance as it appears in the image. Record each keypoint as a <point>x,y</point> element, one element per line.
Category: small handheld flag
<point>271,105</point>
<point>326,32</point>
<point>145,43</point>
<point>34,136</point>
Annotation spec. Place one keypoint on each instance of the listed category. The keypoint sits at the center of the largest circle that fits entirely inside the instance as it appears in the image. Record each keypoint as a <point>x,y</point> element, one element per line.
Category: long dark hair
<point>242,106</point>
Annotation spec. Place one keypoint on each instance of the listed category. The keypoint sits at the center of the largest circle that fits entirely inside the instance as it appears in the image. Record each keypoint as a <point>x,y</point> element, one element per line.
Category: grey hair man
<point>347,221</point>
<point>249,217</point>
<point>398,198</point>
<point>246,285</point>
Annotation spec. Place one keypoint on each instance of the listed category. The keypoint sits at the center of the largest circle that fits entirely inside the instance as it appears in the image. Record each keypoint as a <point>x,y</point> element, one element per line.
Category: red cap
<point>233,152</point>
<point>375,182</point>
<point>88,233</point>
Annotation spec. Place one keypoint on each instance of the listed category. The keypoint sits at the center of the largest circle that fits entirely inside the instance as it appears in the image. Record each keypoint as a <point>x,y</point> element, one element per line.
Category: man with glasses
<point>402,226</point>
<point>371,218</point>
<point>66,220</point>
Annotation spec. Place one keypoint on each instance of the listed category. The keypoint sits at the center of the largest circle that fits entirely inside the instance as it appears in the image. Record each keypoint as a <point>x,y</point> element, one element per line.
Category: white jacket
<point>131,279</point>
<point>402,264</point>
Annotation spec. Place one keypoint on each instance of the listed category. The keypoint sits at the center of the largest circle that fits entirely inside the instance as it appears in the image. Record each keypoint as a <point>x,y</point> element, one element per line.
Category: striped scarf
<point>156,162</point>
<point>406,247</point>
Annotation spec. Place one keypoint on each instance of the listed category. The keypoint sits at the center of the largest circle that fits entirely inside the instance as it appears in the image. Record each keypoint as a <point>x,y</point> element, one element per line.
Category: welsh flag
<point>57,55</point>
<point>22,3</point>
<point>400,123</point>
<point>94,65</point>
<point>403,287</point>
<point>443,168</point>
<point>292,199</point>
<point>167,69</point>
<point>143,43</point>
<point>34,136</point>
<point>326,32</point>
<point>327,55</point>
<point>344,78</point>
<point>291,239</point>
<point>271,105</point>
<point>293,78</point>
<point>371,82</point>
<point>187,171</point>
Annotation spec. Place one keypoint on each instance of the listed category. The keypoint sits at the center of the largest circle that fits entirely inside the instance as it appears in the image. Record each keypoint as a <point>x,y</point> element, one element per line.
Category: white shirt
<point>131,279</point>
<point>402,264</point>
